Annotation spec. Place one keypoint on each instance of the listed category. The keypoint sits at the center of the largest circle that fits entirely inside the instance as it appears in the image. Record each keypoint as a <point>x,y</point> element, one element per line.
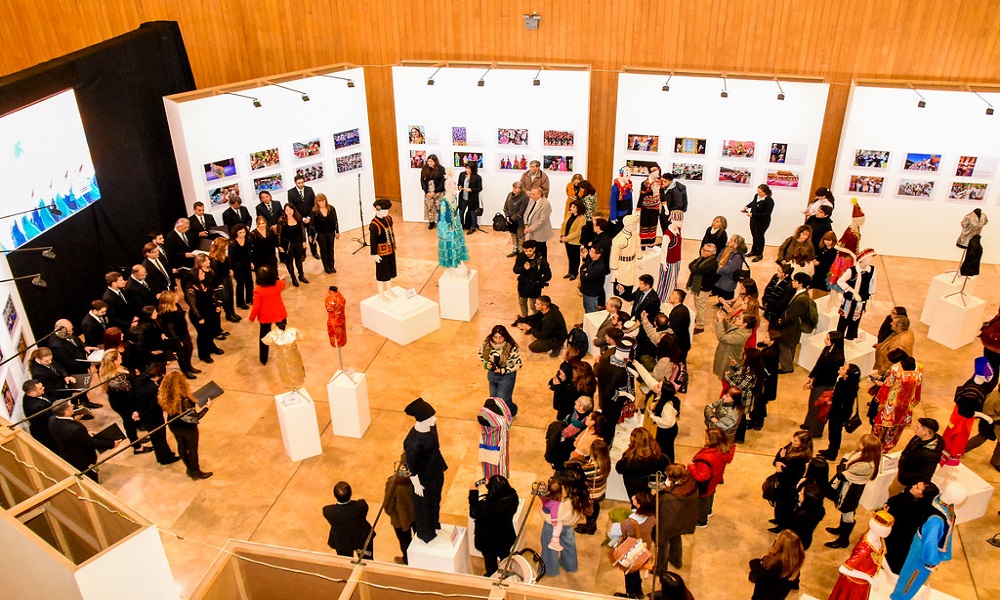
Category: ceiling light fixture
<point>536,80</point>
<point>482,78</point>
<point>430,80</point>
<point>781,92</point>
<point>256,102</point>
<point>350,82</point>
<point>305,96</point>
<point>725,90</point>
<point>666,84</point>
<point>36,279</point>
<point>923,101</point>
<point>989,107</point>
<point>46,251</point>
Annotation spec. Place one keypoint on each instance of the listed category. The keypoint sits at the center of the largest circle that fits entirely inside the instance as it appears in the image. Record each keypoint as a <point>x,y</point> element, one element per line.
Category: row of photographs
<point>779,153</point>
<point>551,138</point>
<point>967,166</point>
<point>505,162</point>
<point>10,320</point>
<point>872,185</point>
<point>269,158</point>
<point>275,182</point>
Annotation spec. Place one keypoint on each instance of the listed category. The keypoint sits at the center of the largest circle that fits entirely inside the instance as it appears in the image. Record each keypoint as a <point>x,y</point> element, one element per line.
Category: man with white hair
<point>178,245</point>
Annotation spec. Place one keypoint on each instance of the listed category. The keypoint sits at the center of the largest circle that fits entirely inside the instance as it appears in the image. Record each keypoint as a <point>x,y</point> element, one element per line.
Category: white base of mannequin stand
<point>459,295</point>
<point>350,414</point>
<point>858,352</point>
<point>402,320</point>
<point>956,324</point>
<point>942,285</point>
<point>299,427</point>
<point>591,323</point>
<point>443,553</point>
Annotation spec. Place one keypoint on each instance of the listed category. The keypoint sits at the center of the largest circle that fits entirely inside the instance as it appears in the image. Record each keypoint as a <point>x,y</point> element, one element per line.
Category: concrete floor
<point>258,494</point>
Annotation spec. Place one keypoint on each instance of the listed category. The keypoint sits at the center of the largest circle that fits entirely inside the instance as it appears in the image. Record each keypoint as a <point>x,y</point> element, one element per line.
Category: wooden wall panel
<point>236,40</point>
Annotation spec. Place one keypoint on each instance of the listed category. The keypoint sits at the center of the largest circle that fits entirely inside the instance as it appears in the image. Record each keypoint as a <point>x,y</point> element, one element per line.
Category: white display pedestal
<point>650,263</point>
<point>443,553</point>
<point>299,429</point>
<point>877,491</point>
<point>402,320</point>
<point>858,352</point>
<point>942,286</point>
<point>955,324</point>
<point>616,485</point>
<point>828,319</point>
<point>980,492</point>
<point>591,323</point>
<point>519,517</point>
<point>350,414</point>
<point>887,583</point>
<point>459,295</point>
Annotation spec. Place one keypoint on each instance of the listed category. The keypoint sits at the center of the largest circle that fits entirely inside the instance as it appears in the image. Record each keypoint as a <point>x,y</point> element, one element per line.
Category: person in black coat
<point>809,512</point>
<point>547,325</point>
<point>147,387</point>
<point>759,210</point>
<point>910,509</point>
<point>324,222</point>
<point>74,443</point>
<point>49,373</point>
<point>716,234</point>
<point>236,214</point>
<point>470,184</point>
<point>533,274</point>
<point>157,271</point>
<point>34,403</point>
<point>303,198</point>
<point>790,464</point>
<point>920,457</point>
<point>241,264</point>
<point>494,514</point>
<point>845,397</point>
<point>777,294</point>
<point>270,210</point>
<point>67,349</point>
<point>645,307</point>
<point>427,466</point>
<point>772,576</point>
<point>200,222</point>
<point>137,290</point>
<point>348,519</point>
<point>822,379</point>
<point>820,224</point>
<point>594,272</point>
<point>119,310</point>
<point>178,245</point>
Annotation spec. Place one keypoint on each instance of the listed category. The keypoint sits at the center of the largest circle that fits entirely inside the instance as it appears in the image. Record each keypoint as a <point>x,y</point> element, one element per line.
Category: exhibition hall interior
<point>529,300</point>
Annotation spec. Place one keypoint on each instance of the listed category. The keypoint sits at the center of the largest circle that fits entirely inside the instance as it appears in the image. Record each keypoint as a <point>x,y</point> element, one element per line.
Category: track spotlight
<point>350,82</point>
<point>536,80</point>
<point>666,84</point>
<point>305,96</point>
<point>49,254</point>
<point>430,80</point>
<point>725,91</point>
<point>989,107</point>
<point>52,208</point>
<point>781,92</point>
<point>36,279</point>
<point>256,102</point>
<point>923,102</point>
<point>46,251</point>
<point>480,83</point>
<point>482,78</point>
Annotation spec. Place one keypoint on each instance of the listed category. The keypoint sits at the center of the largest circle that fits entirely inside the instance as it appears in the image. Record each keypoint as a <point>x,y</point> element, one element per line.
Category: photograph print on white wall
<point>10,315</point>
<point>417,159</point>
<point>735,175</point>
<point>738,149</point>
<point>512,137</point>
<point>264,159</point>
<point>307,149</point>
<point>643,143</point>
<point>972,192</point>
<point>640,167</point>
<point>346,139</point>
<point>916,188</point>
<point>557,163</point>
<point>269,183</point>
<point>512,162</point>
<point>787,154</point>
<point>220,196</point>
<point>466,157</point>
<point>310,172</point>
<point>558,139</point>
<point>220,169</point>
<point>866,184</point>
<point>688,171</point>
<point>780,178</point>
<point>349,162</point>
<point>685,145</point>
<point>416,134</point>
<point>966,166</point>
<point>916,161</point>
<point>871,159</point>
<point>459,136</point>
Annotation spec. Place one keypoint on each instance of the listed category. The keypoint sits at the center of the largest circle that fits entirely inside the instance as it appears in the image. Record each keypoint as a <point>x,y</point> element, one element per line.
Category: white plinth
<point>877,491</point>
<point>459,295</point>
<point>402,320</point>
<point>956,324</point>
<point>828,318</point>
<point>980,492</point>
<point>350,414</point>
<point>650,263</point>
<point>441,554</point>
<point>858,352</point>
<point>299,429</point>
<point>519,517</point>
<point>616,487</point>
<point>887,583</point>
<point>591,323</point>
<point>942,286</point>
<point>623,432</point>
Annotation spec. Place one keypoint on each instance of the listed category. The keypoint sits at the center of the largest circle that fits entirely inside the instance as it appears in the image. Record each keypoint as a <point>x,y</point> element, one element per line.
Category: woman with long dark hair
<point>845,398</point>
<point>776,573</point>
<point>749,377</point>
<point>221,267</point>
<point>268,306</point>
<point>663,411</point>
<point>789,465</point>
<point>571,230</point>
<point>564,390</point>
<point>241,263</point>
<point>183,415</point>
<point>586,193</point>
<point>821,381</point>
<point>759,210</point>
<point>596,470</point>
<point>641,459</point>
<point>324,221</point>
<point>121,396</point>
<point>174,326</point>
<point>432,183</point>
<point>640,524</point>
<point>470,184</point>
<point>731,260</point>
<point>263,245</point>
<point>292,242</point>
<point>501,358</point>
<point>204,309</point>
<point>568,501</point>
<point>494,515</point>
<point>853,474</point>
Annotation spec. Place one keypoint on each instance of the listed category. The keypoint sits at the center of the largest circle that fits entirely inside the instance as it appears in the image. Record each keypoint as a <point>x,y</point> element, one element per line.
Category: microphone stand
<point>361,211</point>
<point>399,470</point>
<point>58,403</point>
<point>538,489</point>
<point>38,341</point>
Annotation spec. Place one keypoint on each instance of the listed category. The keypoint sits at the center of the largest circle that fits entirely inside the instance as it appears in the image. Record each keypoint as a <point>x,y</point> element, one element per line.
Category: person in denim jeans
<point>501,358</point>
<point>565,505</point>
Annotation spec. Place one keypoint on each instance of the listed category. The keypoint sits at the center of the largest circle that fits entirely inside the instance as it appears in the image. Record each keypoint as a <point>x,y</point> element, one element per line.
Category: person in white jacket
<point>664,411</point>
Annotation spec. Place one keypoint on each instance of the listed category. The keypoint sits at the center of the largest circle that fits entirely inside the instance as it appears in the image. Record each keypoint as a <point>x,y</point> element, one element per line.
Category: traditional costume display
<point>896,399</point>
<point>858,286</point>
<point>426,467</point>
<point>851,241</point>
<point>336,320</point>
<point>621,195</point>
<point>650,200</point>
<point>865,559</point>
<point>670,259</point>
<point>383,244</point>
<point>972,225</point>
<point>969,400</point>
<point>625,253</point>
<point>494,436</point>
<point>932,544</point>
<point>452,250</point>
<point>290,368</point>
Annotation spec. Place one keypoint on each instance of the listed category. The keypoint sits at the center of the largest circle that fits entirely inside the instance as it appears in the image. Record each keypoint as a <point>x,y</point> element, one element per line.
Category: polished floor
<point>258,494</point>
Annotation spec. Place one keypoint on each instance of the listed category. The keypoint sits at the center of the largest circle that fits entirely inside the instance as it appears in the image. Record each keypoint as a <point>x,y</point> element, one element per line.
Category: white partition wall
<point>223,141</point>
<point>456,116</point>
<point>687,129</point>
<point>917,171</point>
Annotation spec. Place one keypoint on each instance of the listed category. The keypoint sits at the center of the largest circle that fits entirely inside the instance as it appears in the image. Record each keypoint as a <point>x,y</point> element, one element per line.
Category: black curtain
<point>119,86</point>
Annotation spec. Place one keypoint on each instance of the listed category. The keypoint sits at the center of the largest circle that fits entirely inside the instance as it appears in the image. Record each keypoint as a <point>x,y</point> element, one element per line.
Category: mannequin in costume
<point>857,574</point>
<point>896,399</point>
<point>494,436</point>
<point>383,244</point>
<point>969,400</point>
<point>621,195</point>
<point>336,320</point>
<point>290,367</point>
<point>849,245</point>
<point>452,250</point>
<point>625,254</point>
<point>972,224</point>
<point>858,286</point>
<point>650,200</point>
<point>426,466</point>
<point>932,544</point>
<point>670,256</point>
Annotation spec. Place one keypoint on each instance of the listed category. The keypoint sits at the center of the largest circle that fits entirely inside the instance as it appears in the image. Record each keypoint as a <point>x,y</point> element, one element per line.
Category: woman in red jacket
<point>707,468</point>
<point>267,305</point>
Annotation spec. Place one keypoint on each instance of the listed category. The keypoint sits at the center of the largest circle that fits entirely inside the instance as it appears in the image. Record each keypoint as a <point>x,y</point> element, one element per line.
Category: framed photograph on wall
<point>417,159</point>
<point>463,157</point>
<point>557,163</point>
<point>640,167</point>
<point>971,192</point>
<point>220,196</point>
<point>351,162</point>
<point>688,171</point>
<point>780,178</point>
<point>915,188</point>
<point>916,161</point>
<point>312,172</point>
<point>966,166</point>
<point>512,137</point>
<point>643,143</point>
<point>8,398</point>
<point>685,145</point>
<point>866,184</point>
<point>346,139</point>
<point>871,159</point>
<point>554,138</point>
<point>220,169</point>
<point>307,149</point>
<point>735,175</point>
<point>270,183</point>
<point>459,136</point>
<point>264,159</point>
<point>738,149</point>
<point>512,162</point>
<point>22,347</point>
<point>10,316</point>
<point>416,134</point>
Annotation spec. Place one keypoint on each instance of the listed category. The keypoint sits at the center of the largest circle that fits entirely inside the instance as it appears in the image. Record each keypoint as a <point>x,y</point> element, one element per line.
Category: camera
<point>481,482</point>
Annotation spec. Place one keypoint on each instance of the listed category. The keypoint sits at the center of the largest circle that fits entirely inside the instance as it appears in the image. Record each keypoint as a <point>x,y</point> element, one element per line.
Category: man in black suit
<point>74,443</point>
<point>680,322</point>
<point>200,222</point>
<point>348,519</point>
<point>36,407</point>
<point>236,214</point>
<point>645,306</point>
<point>157,272</point>
<point>178,246</point>
<point>268,209</point>
<point>67,350</point>
<point>93,325</point>
<point>119,312</point>
<point>303,198</point>
<point>137,290</point>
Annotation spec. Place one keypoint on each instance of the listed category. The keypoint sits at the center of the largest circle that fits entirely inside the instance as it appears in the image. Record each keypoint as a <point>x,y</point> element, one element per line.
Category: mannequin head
<point>450,186</point>
<point>865,259</point>
<point>880,524</point>
<point>382,207</point>
<point>857,215</point>
<point>423,413</point>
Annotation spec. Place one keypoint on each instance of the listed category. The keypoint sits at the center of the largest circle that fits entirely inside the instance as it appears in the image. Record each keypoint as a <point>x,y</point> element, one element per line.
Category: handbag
<point>499,222</point>
<point>769,489</point>
<point>824,402</point>
<point>741,274</point>
<point>855,421</point>
<point>631,554</point>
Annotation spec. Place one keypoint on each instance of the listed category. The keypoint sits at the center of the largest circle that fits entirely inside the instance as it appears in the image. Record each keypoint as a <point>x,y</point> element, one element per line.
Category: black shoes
<point>303,279</point>
<point>234,318</point>
<point>200,475</point>
<point>243,306</point>
<point>90,404</point>
<point>190,375</point>
<point>208,359</point>
<point>218,351</point>
<point>142,449</point>
<point>194,370</point>
<point>171,460</point>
